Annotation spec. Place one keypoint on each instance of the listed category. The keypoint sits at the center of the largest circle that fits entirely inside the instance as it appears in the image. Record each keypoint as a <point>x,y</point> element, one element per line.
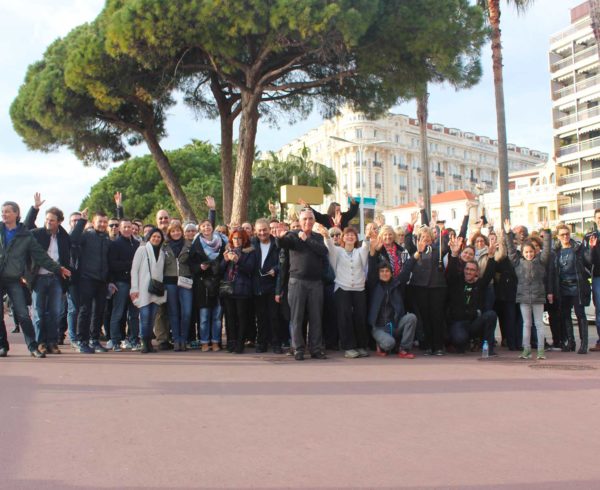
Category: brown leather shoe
<point>216,348</point>
<point>53,349</point>
<point>42,349</point>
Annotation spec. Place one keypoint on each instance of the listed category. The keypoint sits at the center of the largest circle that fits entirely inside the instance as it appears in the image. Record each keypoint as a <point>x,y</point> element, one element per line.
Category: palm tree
<point>492,7</point>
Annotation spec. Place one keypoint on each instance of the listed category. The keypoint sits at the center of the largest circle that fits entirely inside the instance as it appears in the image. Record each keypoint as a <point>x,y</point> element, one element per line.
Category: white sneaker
<point>125,344</point>
<point>136,347</point>
<point>351,354</point>
<point>110,344</point>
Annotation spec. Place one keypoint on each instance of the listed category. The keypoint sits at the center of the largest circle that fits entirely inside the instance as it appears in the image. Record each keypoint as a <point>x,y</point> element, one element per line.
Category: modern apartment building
<point>391,165</point>
<point>575,87</point>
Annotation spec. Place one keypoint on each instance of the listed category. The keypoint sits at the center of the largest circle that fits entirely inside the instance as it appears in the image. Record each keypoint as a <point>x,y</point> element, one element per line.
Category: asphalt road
<point>217,420</point>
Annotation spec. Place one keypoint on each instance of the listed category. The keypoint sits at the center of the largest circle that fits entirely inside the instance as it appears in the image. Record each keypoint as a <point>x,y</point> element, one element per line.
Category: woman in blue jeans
<point>178,283</point>
<point>206,254</point>
<point>148,264</point>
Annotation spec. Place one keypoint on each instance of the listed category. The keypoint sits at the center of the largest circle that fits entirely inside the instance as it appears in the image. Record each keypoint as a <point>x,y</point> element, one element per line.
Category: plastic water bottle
<point>485,349</point>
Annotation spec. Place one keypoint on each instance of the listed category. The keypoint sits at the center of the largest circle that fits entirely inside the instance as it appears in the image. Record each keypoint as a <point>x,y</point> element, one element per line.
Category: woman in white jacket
<point>148,264</point>
<point>349,262</point>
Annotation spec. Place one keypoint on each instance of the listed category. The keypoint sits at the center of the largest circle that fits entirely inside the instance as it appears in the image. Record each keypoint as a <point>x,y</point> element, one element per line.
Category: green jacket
<point>23,249</point>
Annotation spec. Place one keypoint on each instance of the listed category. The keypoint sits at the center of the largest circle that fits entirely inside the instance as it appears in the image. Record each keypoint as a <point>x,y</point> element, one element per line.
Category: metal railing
<point>575,147</point>
<point>570,31</point>
<point>580,116</point>
<point>579,176</point>
<point>579,206</point>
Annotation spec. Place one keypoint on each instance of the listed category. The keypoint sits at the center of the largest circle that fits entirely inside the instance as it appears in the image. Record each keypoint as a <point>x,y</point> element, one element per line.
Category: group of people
<point>305,287</point>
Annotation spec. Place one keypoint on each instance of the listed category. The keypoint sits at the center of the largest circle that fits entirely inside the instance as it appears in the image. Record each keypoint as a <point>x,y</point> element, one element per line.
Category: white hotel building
<point>575,88</point>
<point>392,167</point>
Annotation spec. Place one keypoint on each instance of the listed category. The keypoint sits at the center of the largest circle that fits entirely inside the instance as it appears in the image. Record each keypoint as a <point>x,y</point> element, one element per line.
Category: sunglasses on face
<point>113,225</point>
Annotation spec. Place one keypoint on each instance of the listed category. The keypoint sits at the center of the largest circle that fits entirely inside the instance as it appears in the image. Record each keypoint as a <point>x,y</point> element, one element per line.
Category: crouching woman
<point>391,326</point>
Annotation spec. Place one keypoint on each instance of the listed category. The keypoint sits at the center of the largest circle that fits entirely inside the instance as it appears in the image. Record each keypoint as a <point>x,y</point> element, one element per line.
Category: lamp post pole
<point>361,149</point>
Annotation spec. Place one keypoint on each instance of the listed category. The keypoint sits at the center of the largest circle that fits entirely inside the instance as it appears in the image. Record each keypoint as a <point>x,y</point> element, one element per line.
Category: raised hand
<point>210,202</point>
<point>118,199</point>
<point>303,203</point>
<point>422,244</point>
<point>37,200</point>
<point>414,217</point>
<point>319,228</point>
<point>272,208</point>
<point>455,245</point>
<point>545,224</point>
<point>337,219</point>
<point>280,230</point>
<point>84,214</point>
<point>593,241</point>
<point>507,227</point>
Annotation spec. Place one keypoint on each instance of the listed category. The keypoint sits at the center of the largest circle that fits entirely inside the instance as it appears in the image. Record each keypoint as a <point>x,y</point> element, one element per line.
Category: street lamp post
<point>361,147</point>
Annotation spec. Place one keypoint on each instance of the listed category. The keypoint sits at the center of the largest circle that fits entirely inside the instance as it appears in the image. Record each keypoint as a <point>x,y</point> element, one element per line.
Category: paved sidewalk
<point>217,420</point>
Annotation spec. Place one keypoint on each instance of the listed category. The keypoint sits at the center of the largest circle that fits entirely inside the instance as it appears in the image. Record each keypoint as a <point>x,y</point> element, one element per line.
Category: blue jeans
<point>596,296</point>
<point>72,311</point>
<point>147,316</point>
<point>47,305</point>
<point>16,293</point>
<point>121,301</point>
<point>179,308</point>
<point>210,325</point>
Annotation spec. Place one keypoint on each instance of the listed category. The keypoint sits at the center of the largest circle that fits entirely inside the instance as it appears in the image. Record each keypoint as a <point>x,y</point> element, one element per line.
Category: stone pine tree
<point>79,97</point>
<point>272,48</point>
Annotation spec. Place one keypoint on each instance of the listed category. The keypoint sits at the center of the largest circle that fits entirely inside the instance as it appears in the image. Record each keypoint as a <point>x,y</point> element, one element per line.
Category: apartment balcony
<point>580,206</point>
<point>574,58</point>
<point>489,183</point>
<point>377,163</point>
<point>403,166</point>
<point>378,185</point>
<point>457,176</point>
<point>473,180</point>
<point>580,146</point>
<point>580,116</point>
<point>439,173</point>
<point>577,87</point>
<point>403,187</point>
<point>579,176</point>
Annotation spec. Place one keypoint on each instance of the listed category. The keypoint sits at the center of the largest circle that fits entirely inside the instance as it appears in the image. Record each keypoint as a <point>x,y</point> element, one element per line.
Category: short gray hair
<point>14,206</point>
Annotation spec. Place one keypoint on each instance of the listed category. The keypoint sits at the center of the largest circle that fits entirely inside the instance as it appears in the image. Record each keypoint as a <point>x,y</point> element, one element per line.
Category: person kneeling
<point>391,326</point>
<point>466,292</point>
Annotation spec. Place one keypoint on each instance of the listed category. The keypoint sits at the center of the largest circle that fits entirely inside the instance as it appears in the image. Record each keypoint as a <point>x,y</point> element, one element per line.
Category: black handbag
<point>156,287</point>
<point>226,288</point>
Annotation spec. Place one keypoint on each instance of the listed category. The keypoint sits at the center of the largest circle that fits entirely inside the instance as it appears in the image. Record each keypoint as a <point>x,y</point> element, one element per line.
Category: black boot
<point>570,343</point>
<point>144,349</point>
<point>583,335</point>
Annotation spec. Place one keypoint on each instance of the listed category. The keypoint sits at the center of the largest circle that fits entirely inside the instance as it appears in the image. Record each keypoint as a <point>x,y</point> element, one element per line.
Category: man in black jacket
<point>48,289</point>
<point>305,285</point>
<point>120,258</point>
<point>265,277</point>
<point>93,280</point>
<point>17,247</point>
<point>466,291</point>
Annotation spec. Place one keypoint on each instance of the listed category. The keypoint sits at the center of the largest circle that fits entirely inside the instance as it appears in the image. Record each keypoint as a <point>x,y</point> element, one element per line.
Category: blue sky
<point>28,26</point>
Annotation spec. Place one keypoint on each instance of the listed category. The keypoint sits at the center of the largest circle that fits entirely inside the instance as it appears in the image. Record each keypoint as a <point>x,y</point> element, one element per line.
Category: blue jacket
<point>377,291</point>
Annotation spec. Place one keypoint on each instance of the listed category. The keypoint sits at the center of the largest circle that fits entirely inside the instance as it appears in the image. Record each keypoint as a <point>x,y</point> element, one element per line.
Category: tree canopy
<point>197,167</point>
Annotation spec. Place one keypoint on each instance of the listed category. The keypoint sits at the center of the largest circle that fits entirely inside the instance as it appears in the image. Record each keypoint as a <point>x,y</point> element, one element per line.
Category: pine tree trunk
<point>227,116</point>
<point>494,12</point>
<point>245,158</point>
<point>227,165</point>
<point>169,177</point>
<point>422,114</point>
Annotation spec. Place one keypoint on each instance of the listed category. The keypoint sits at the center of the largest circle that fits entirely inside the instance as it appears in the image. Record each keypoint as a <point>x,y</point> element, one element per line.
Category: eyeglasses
<point>163,218</point>
<point>113,225</point>
<point>564,234</point>
<point>335,234</point>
